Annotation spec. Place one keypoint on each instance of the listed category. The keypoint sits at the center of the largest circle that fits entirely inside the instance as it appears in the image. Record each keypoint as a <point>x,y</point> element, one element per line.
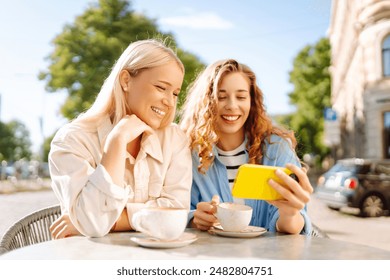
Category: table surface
<point>270,246</point>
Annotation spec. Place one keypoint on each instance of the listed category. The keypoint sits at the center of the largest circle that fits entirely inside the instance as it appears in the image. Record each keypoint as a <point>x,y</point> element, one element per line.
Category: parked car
<point>357,183</point>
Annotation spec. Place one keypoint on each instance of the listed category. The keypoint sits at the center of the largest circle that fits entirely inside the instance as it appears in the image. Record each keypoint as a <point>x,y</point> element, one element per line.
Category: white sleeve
<point>84,188</point>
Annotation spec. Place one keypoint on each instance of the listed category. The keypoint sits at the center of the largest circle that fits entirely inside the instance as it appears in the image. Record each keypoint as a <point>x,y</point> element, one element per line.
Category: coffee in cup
<point>161,223</point>
<point>233,216</point>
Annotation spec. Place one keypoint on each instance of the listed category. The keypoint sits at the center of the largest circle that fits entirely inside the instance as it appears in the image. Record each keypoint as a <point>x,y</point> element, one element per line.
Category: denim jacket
<point>215,181</point>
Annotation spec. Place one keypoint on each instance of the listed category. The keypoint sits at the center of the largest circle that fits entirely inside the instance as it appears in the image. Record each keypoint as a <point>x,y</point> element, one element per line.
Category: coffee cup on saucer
<point>164,224</point>
<point>233,216</point>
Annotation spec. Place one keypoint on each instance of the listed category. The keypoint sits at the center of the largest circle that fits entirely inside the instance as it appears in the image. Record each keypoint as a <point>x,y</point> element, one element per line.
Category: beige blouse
<point>161,175</point>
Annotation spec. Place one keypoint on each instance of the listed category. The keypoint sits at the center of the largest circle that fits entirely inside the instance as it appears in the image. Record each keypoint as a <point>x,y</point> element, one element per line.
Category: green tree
<point>86,50</point>
<point>46,147</point>
<point>311,79</point>
<point>15,141</point>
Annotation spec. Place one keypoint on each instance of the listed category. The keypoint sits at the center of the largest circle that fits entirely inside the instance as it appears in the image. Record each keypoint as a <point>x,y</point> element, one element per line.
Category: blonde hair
<point>138,56</point>
<point>200,110</point>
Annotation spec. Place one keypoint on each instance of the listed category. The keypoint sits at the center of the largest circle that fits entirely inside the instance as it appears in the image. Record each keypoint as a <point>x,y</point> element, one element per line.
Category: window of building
<point>386,134</point>
<point>386,56</point>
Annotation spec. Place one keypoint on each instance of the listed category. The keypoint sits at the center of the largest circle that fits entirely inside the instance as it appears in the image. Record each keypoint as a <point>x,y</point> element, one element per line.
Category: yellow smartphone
<point>252,182</point>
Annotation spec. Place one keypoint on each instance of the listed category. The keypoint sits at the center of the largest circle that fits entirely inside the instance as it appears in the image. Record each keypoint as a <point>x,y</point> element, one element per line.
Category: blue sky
<point>266,35</point>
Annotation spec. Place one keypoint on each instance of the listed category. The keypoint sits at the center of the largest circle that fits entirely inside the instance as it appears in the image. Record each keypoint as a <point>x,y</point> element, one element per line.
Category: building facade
<point>359,35</point>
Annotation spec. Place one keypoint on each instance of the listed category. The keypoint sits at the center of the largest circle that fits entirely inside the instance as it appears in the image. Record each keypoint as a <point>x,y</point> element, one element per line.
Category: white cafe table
<point>269,246</point>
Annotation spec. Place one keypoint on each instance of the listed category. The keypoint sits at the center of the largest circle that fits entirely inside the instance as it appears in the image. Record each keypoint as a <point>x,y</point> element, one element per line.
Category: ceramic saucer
<point>250,231</point>
<point>185,239</point>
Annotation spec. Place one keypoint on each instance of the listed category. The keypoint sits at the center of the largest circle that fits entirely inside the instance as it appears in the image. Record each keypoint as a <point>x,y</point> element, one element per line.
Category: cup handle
<point>215,202</point>
<point>137,222</point>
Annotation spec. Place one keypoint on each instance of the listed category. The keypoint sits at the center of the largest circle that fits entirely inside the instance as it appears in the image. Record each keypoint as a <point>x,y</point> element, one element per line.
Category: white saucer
<point>250,231</point>
<point>185,239</point>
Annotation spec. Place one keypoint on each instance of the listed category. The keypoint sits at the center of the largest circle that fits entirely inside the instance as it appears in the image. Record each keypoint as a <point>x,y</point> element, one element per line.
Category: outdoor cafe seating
<point>34,228</point>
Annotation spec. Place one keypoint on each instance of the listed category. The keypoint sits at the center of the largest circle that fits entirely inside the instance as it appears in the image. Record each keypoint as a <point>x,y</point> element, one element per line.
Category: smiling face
<point>233,107</point>
<point>152,93</point>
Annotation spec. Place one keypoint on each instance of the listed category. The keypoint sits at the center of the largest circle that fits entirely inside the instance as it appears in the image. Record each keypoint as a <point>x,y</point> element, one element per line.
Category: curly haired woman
<point>226,121</point>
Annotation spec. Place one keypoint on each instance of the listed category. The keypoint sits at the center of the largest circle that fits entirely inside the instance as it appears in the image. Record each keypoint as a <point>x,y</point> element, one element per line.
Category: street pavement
<point>14,206</point>
<point>345,225</point>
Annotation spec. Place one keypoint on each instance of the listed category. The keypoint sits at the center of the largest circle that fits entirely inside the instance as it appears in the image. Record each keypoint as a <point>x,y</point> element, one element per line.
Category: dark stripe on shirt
<point>233,167</point>
<point>238,154</point>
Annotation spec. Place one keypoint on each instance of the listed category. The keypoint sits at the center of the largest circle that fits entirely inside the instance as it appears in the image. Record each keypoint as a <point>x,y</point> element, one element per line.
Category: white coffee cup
<point>233,216</point>
<point>161,223</point>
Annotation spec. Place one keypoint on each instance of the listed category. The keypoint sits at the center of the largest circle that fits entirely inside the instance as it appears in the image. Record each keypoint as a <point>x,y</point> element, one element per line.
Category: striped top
<point>233,160</point>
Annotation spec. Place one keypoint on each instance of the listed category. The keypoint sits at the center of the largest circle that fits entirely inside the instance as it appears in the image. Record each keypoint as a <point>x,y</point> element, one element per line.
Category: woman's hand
<point>63,227</point>
<point>204,216</point>
<point>124,138</point>
<point>296,195</point>
<point>129,128</point>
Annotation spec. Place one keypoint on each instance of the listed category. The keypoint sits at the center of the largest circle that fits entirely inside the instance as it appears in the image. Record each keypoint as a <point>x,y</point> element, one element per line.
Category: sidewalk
<point>14,206</point>
<point>13,185</point>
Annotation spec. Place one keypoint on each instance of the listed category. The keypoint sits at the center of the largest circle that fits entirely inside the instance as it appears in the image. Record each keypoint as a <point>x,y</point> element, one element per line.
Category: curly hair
<point>199,114</point>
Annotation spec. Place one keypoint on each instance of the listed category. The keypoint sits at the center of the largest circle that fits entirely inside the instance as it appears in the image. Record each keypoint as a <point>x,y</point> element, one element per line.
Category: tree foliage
<point>311,80</point>
<point>15,141</point>
<point>87,49</point>
<point>46,147</point>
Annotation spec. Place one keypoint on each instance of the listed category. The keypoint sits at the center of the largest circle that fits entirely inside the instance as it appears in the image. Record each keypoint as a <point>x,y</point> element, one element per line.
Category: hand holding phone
<point>252,182</point>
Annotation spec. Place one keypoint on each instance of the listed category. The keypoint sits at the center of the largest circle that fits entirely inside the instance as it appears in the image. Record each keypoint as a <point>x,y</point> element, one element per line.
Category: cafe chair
<point>317,232</point>
<point>31,229</point>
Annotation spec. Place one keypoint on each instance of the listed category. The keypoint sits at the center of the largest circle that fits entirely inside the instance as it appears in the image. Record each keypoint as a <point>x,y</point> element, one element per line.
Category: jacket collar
<point>150,143</point>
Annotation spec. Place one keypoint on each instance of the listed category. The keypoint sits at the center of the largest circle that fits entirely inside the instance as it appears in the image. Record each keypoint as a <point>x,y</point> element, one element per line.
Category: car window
<point>350,167</point>
<point>341,167</point>
<point>364,169</point>
<point>382,169</point>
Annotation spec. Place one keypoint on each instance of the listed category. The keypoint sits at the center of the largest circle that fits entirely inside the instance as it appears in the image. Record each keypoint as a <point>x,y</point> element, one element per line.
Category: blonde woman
<point>225,119</point>
<point>124,153</point>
